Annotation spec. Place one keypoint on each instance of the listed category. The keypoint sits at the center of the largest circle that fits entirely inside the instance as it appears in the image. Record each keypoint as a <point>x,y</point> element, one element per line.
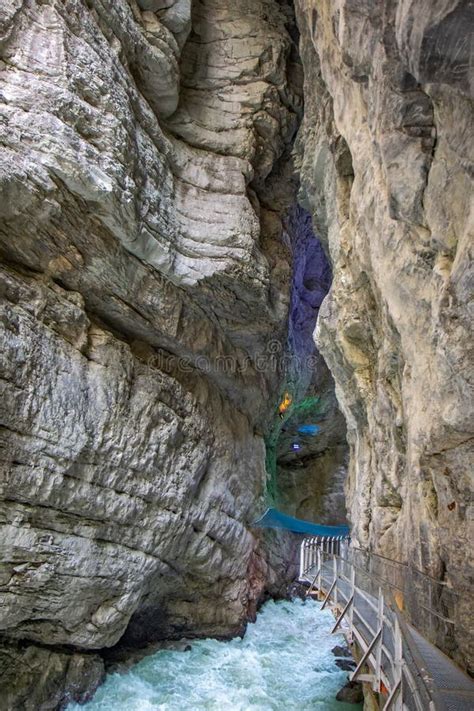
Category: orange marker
<point>285,404</point>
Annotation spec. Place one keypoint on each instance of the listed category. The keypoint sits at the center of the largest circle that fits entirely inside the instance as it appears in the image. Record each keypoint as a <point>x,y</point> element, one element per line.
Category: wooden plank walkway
<point>407,671</point>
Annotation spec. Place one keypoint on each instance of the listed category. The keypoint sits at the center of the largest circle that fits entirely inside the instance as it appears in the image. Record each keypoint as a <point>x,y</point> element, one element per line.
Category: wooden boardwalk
<point>406,671</point>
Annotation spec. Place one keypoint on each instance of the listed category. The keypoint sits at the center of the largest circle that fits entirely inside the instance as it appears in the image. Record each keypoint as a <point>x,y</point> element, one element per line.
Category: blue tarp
<point>274,519</point>
<point>309,429</point>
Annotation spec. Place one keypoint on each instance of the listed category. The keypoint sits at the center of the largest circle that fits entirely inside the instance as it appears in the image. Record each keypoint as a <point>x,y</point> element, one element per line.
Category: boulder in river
<point>351,693</point>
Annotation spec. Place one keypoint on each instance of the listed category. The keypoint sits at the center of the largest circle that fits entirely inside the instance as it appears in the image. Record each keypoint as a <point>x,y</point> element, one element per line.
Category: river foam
<point>283,663</point>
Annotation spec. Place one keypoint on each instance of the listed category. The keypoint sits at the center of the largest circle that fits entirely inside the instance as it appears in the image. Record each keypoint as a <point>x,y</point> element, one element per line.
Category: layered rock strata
<point>386,168</point>
<point>144,171</point>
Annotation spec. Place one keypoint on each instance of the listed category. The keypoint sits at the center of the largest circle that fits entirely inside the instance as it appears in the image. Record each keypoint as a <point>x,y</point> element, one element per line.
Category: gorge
<point>186,187</point>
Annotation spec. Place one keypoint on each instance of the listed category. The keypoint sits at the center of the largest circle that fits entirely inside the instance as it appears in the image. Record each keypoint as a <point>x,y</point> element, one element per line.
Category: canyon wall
<point>148,175</point>
<point>144,171</point>
<point>386,162</point>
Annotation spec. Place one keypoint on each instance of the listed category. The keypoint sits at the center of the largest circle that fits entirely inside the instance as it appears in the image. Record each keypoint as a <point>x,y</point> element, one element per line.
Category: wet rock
<point>351,693</point>
<point>346,664</point>
<point>297,589</point>
<point>340,651</point>
<point>34,677</point>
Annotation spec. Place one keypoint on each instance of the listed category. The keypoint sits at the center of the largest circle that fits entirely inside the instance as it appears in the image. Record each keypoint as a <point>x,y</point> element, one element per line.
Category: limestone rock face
<point>36,678</point>
<point>122,487</point>
<point>143,278</point>
<point>386,167</point>
<point>146,175</point>
<point>313,488</point>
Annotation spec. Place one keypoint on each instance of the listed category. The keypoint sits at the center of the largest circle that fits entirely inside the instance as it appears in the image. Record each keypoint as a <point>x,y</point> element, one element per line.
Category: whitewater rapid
<point>283,663</point>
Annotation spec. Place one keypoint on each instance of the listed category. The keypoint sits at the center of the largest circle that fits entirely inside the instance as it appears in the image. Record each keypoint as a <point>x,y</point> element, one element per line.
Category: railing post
<point>395,700</point>
<point>334,559</point>
<point>378,651</point>
<point>351,611</point>
<point>319,569</point>
<point>301,560</point>
<point>399,663</point>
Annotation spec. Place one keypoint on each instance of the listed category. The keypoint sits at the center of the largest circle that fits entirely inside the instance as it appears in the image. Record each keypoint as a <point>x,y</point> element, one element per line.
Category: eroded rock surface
<point>122,486</point>
<point>386,167</point>
<point>34,678</point>
<point>145,171</point>
<point>143,277</point>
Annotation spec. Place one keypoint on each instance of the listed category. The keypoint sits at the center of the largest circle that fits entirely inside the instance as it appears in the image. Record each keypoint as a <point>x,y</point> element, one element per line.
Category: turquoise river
<point>283,663</point>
